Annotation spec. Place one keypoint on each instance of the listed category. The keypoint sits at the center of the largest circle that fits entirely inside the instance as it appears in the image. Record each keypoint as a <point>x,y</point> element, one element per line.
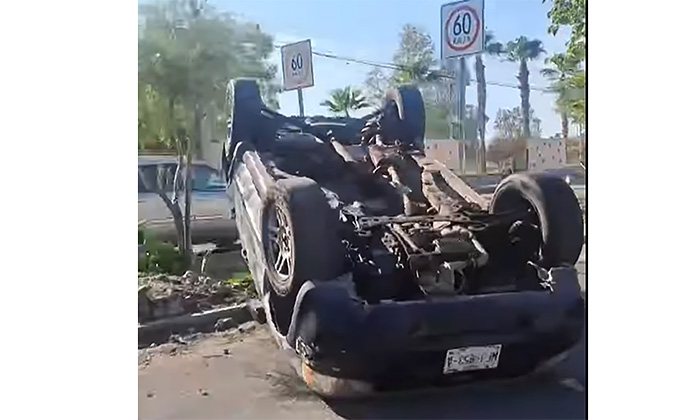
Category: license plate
<point>465,359</point>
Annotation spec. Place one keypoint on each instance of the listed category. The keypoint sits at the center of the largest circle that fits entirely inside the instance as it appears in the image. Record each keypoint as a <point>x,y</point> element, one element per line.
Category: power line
<point>393,66</point>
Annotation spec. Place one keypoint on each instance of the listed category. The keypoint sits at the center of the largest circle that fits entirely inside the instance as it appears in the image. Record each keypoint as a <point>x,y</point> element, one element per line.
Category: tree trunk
<point>481,111</point>
<point>171,119</point>
<point>179,225</point>
<point>564,125</point>
<point>190,141</point>
<point>172,205</point>
<point>524,104</point>
<point>525,97</point>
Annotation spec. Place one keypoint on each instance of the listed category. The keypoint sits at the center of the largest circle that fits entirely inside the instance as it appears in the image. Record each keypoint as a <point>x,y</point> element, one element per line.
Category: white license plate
<point>465,359</point>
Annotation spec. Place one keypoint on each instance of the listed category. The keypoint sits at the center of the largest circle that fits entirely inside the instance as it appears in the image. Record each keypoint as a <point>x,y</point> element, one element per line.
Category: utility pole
<point>197,7</point>
<point>462,83</point>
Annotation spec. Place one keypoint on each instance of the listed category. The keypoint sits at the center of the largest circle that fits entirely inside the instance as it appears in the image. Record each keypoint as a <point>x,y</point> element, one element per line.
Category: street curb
<point>160,331</point>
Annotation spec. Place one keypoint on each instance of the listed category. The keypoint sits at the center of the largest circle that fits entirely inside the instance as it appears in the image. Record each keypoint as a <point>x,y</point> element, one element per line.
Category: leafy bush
<point>161,257</point>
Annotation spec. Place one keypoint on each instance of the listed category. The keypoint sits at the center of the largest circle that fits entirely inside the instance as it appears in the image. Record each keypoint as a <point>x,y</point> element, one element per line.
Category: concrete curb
<point>160,331</point>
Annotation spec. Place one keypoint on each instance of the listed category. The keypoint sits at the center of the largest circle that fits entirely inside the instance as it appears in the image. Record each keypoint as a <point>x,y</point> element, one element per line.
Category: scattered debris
<point>257,310</point>
<point>176,339</point>
<point>170,348</point>
<point>224,324</point>
<point>164,296</point>
<point>144,357</point>
<point>247,326</point>
<point>181,309</point>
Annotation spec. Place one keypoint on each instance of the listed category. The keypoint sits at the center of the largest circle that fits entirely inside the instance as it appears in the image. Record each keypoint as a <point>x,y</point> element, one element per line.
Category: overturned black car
<point>379,267</point>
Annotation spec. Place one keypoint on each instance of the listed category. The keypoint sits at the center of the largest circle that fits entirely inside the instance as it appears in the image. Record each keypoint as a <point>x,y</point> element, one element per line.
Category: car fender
<point>335,299</point>
<point>249,183</point>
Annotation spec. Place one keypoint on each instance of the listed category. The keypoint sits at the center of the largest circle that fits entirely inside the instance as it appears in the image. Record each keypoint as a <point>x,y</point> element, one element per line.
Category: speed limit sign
<point>462,28</point>
<point>297,69</point>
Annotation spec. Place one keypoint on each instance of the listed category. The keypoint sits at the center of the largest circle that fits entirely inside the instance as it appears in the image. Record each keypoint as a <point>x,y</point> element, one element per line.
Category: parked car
<point>379,268</point>
<point>211,207</point>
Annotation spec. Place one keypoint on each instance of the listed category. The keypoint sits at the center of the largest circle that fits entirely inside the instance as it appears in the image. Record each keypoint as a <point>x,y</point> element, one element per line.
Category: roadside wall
<point>545,154</point>
<point>459,156</point>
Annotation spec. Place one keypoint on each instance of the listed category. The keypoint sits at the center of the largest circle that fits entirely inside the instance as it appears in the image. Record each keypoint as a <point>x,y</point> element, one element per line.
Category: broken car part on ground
<point>378,266</point>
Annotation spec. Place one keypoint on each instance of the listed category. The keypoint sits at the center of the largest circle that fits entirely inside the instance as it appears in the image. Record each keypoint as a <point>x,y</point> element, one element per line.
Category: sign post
<point>461,35</point>
<point>297,69</point>
<point>300,98</point>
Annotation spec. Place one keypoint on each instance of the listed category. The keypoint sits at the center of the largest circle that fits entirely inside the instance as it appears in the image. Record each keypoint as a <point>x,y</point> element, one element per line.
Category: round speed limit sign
<point>462,28</point>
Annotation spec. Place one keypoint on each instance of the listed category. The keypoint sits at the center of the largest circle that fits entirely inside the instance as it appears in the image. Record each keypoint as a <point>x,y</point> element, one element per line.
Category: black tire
<point>559,215</point>
<point>316,250</point>
<point>246,119</point>
<point>408,103</point>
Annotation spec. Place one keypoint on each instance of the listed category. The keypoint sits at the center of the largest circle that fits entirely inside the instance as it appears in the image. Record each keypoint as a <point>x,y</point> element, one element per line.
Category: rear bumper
<point>344,346</point>
<point>391,369</point>
<point>330,385</point>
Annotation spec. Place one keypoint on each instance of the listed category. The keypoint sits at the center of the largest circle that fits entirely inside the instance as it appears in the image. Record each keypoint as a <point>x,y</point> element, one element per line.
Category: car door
<point>151,206</point>
<point>209,199</point>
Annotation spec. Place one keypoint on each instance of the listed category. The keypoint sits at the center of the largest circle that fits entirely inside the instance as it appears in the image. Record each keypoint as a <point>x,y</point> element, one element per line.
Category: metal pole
<point>462,104</point>
<point>301,102</point>
<point>462,98</point>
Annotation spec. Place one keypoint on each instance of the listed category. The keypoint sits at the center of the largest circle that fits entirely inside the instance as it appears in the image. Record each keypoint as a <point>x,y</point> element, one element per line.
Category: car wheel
<point>555,211</point>
<point>405,114</point>
<point>300,236</point>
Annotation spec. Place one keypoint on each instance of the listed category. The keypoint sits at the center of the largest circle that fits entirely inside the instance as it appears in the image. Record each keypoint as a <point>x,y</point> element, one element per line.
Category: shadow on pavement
<point>541,398</point>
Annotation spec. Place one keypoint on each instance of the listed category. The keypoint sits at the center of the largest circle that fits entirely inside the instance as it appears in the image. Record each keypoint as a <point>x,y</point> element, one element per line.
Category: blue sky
<point>369,29</point>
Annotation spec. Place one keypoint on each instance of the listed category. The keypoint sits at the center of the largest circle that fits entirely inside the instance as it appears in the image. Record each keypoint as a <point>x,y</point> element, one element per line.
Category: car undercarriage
<point>359,199</point>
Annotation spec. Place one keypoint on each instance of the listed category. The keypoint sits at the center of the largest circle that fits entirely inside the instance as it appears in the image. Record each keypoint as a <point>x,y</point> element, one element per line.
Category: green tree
<point>572,14</point>
<point>377,82</point>
<point>559,75</point>
<point>189,51</point>
<point>576,97</point>
<point>153,119</point>
<point>510,124</point>
<point>415,56</point>
<point>344,100</point>
<point>417,65</point>
<point>522,50</point>
<point>511,141</point>
<point>491,47</point>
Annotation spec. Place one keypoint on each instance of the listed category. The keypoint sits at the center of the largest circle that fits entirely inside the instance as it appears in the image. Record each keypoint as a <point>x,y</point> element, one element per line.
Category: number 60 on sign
<point>462,28</point>
<point>297,68</point>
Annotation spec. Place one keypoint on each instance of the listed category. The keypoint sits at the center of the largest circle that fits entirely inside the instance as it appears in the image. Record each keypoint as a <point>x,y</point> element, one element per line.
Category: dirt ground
<point>244,376</point>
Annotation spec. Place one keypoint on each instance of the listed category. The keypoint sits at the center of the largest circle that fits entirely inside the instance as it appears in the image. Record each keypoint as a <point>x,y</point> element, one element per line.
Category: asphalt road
<point>243,376</point>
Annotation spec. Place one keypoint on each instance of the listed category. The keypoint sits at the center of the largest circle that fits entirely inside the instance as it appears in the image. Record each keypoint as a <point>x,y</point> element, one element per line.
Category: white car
<point>211,207</point>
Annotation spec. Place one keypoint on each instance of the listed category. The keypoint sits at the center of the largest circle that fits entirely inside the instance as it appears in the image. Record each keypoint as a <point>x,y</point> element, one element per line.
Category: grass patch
<point>161,257</point>
<point>242,281</point>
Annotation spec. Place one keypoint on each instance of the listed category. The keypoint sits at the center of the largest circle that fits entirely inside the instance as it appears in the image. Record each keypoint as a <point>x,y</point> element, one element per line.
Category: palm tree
<point>491,47</point>
<point>344,100</point>
<point>558,86</point>
<point>560,76</point>
<point>522,50</point>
